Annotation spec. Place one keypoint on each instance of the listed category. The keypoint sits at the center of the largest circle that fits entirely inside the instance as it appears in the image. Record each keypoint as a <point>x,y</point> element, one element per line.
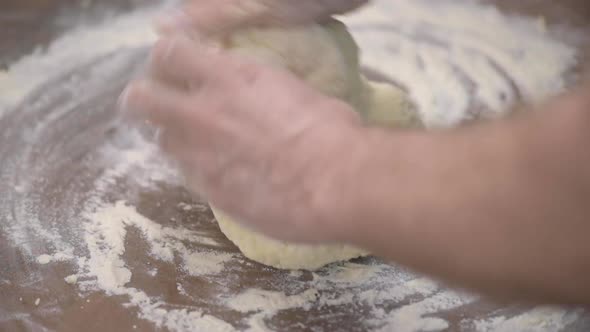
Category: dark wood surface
<point>26,25</point>
<point>29,24</point>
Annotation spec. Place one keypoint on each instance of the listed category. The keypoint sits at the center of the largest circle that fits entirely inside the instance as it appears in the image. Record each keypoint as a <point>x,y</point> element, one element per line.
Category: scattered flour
<point>71,279</point>
<point>205,263</point>
<point>415,316</point>
<point>105,239</point>
<point>537,320</point>
<point>57,257</point>
<point>459,56</point>
<point>185,206</point>
<point>44,259</point>
<point>76,47</point>
<point>349,273</point>
<point>257,300</point>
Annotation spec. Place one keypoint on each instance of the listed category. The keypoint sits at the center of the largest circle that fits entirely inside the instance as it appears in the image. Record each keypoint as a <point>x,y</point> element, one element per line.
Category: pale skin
<point>502,207</point>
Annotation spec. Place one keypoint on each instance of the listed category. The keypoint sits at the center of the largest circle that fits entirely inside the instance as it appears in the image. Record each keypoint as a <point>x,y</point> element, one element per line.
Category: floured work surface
<point>97,234</point>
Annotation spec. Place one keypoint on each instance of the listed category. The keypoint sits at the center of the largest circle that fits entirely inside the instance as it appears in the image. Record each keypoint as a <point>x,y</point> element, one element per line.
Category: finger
<point>155,102</point>
<point>171,60</point>
<point>177,145</point>
<point>179,149</point>
<point>213,17</point>
<point>184,156</point>
<point>181,60</point>
<point>172,57</point>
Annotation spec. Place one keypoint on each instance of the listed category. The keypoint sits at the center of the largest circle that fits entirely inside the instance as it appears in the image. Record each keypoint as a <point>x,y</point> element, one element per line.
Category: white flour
<point>76,47</point>
<point>71,279</point>
<point>539,319</point>
<point>460,55</point>
<point>258,300</point>
<point>455,56</point>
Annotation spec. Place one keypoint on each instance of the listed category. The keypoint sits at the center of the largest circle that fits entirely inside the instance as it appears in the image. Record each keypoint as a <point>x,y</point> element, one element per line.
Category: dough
<point>279,254</point>
<point>327,58</point>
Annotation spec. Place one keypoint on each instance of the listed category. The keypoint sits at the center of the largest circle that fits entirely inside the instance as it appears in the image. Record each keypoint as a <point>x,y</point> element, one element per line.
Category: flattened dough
<point>327,58</point>
<point>279,254</point>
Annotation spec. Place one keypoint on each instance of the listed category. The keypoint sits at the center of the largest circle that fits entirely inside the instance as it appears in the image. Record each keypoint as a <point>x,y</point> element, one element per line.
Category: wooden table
<point>26,25</point>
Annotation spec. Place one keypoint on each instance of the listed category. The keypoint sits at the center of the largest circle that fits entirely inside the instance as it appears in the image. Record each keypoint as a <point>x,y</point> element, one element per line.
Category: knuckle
<point>163,50</point>
<point>249,72</point>
<point>171,49</point>
<point>136,92</point>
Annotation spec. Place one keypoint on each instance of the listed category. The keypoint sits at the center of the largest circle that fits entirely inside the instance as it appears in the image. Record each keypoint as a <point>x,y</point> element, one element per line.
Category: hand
<point>258,143</point>
<point>208,17</point>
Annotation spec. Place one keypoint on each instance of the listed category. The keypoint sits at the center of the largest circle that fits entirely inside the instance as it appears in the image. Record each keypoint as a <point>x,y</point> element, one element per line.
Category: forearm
<point>503,208</point>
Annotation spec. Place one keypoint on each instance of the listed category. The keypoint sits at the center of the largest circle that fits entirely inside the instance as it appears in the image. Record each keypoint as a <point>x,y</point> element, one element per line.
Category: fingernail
<point>213,49</point>
<point>128,99</point>
<point>171,21</point>
<point>123,101</point>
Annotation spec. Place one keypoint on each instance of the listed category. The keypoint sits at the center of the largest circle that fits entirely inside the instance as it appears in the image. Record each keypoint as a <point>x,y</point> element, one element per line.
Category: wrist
<point>397,170</point>
<point>335,175</point>
<point>430,188</point>
<point>372,182</point>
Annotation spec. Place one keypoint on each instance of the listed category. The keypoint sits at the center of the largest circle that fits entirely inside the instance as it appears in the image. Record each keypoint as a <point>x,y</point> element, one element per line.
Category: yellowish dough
<point>279,254</point>
<point>327,58</point>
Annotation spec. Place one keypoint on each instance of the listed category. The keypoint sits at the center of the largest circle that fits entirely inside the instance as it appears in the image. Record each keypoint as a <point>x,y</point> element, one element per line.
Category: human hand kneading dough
<point>500,207</point>
<point>254,140</point>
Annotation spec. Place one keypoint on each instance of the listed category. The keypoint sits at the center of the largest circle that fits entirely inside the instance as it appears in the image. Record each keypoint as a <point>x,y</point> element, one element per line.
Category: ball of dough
<point>327,58</point>
<point>279,254</point>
